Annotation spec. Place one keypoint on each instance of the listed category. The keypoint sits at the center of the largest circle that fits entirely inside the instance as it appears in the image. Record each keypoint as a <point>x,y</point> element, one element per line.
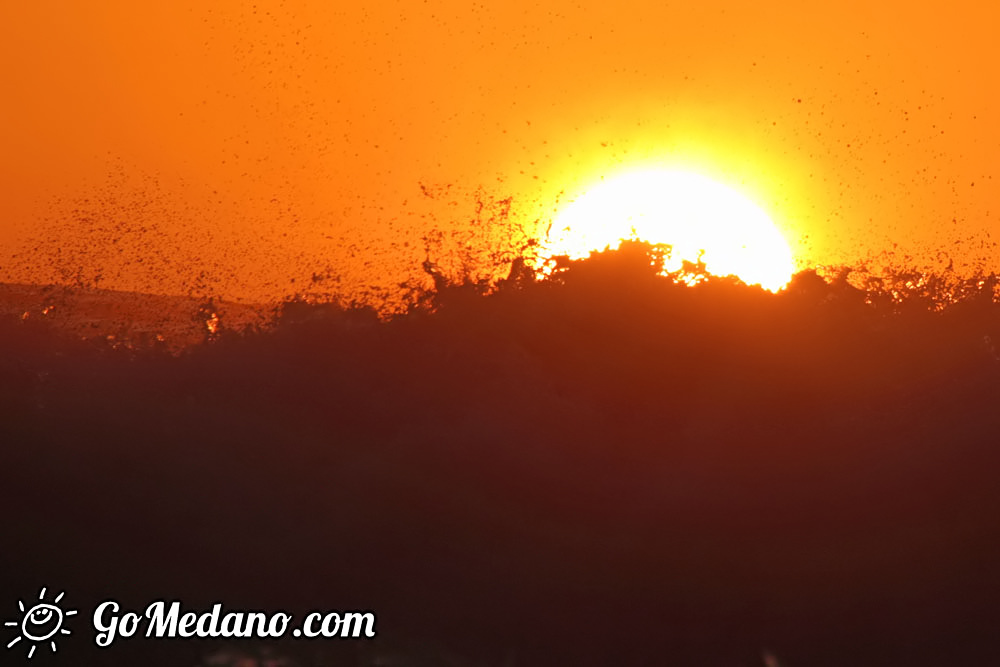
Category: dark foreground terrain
<point>603,469</point>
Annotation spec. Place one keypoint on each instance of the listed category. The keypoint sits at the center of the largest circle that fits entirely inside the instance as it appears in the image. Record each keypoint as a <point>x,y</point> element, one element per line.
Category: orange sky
<point>169,146</point>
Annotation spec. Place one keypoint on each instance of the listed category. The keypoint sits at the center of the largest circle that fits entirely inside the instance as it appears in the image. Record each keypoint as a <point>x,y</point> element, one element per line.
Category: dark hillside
<point>605,468</point>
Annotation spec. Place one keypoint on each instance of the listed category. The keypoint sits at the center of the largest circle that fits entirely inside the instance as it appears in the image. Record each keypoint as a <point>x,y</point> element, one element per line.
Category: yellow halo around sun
<point>698,217</point>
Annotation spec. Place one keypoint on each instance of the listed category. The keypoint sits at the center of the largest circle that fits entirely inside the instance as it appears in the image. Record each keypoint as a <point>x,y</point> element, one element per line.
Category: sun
<point>40,624</point>
<point>701,219</point>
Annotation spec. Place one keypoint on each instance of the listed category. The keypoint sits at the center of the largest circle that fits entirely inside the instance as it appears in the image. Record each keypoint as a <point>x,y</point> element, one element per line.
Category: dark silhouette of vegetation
<point>605,467</point>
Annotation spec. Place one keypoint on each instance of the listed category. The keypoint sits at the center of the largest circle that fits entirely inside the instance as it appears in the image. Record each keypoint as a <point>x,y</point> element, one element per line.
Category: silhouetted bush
<point>604,467</point>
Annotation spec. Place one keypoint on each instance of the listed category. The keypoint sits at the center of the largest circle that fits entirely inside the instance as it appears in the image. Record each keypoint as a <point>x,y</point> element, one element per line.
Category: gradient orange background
<point>232,148</point>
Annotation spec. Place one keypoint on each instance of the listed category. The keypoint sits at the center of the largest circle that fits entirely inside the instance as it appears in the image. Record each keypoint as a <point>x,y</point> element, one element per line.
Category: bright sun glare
<point>696,216</point>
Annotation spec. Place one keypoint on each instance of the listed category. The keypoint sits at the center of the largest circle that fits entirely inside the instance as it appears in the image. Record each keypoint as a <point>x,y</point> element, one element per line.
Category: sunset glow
<point>237,149</point>
<point>700,219</point>
<point>533,333</point>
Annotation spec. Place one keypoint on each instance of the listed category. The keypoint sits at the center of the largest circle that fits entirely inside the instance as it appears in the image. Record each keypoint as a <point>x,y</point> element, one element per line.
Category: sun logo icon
<point>41,623</point>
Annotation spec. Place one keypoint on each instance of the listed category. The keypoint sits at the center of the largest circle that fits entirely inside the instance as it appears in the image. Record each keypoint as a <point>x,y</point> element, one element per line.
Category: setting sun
<point>698,217</point>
